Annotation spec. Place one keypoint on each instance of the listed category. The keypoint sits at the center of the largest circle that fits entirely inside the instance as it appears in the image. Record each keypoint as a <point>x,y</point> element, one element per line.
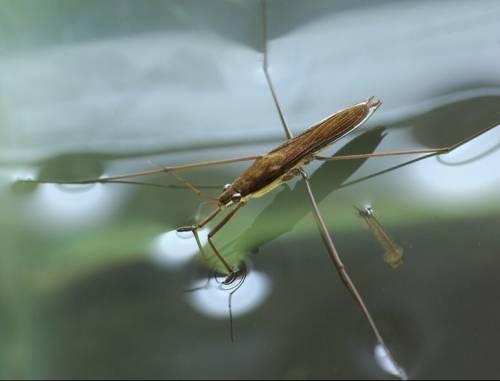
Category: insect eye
<point>227,186</point>
<point>236,198</point>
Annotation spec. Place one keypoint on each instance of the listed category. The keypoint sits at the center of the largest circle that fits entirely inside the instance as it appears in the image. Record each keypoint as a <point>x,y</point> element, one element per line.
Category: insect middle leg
<point>171,169</point>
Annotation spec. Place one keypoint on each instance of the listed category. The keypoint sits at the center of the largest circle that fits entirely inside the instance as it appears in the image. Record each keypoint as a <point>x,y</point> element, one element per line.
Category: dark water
<point>93,278</point>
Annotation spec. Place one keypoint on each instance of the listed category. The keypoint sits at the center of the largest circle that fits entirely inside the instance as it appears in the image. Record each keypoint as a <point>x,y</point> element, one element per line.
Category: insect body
<point>283,163</point>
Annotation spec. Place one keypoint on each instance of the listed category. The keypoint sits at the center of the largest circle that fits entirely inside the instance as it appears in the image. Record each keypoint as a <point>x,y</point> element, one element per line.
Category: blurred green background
<point>93,280</point>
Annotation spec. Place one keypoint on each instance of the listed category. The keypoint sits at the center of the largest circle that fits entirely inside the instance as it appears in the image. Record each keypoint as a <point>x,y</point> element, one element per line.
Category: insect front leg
<point>194,229</point>
<point>232,273</point>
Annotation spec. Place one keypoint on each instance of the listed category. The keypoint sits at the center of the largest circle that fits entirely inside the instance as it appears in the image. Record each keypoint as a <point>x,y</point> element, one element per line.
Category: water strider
<point>269,171</point>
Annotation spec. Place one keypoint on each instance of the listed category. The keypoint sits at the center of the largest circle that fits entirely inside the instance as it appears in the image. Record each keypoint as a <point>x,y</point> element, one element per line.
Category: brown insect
<point>282,164</point>
<point>279,166</point>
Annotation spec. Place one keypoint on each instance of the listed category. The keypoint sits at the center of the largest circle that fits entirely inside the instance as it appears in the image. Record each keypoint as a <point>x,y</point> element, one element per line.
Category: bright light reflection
<point>213,301</point>
<point>385,361</point>
<point>71,204</point>
<point>174,249</point>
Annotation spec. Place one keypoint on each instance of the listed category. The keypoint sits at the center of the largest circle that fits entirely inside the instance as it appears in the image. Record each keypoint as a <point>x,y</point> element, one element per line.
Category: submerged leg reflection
<point>222,285</point>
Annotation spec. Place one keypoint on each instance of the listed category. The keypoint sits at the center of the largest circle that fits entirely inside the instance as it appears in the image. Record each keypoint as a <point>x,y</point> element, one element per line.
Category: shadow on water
<point>328,178</point>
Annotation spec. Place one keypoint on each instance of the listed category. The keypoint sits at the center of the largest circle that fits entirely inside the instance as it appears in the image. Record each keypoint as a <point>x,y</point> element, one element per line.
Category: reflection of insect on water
<point>275,168</point>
